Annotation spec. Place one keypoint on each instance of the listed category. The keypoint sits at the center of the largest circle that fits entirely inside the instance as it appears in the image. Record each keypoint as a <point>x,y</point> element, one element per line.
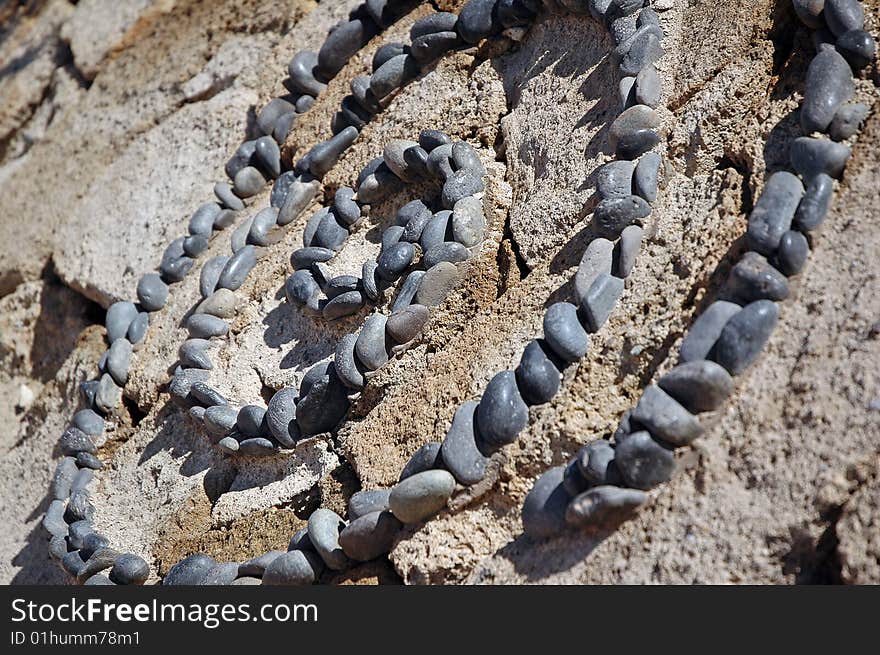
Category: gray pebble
<point>385,53</point>
<point>58,546</point>
<point>222,574</point>
<point>62,479</point>
<point>226,197</point>
<point>302,290</point>
<point>262,231</point>
<point>237,268</point>
<point>324,528</point>
<point>648,86</point>
<point>437,230</point>
<point>360,90</point>
<point>370,347</point>
<point>412,232</point>
<point>256,447</point>
<point>210,274</point>
<point>220,419</point>
<point>404,325</point>
<point>431,139</point>
<point>79,508</point>
<point>628,249</point>
<point>438,282</point>
<point>440,21</point>
<point>792,253</point>
<point>621,29</point>
<point>228,445</point>
<point>440,161</point>
<point>242,157</point>
<point>753,278</point>
<point>77,533</point>
<point>301,70</point>
<point>366,502</point>
<point>225,218</point>
<point>465,157</point>
<point>256,566</point>
<point>343,305</point>
<point>407,290</point>
<point>248,182</point>
<point>181,384</point>
<point>502,414</point>
<point>108,394</point>
<point>420,496</point>
<point>329,233</point>
<point>638,51</point>
<point>342,44</point>
<point>302,191</point>
<point>192,354</point>
<point>744,335</point>
<point>595,461</point>
<point>89,422</point>
<point>391,236</point>
<point>614,179</point>
<point>344,207</point>
<point>92,543</point>
<point>847,120</point>
<point>841,16</point>
<point>460,451</point>
<point>206,394</point>
<point>773,212</point>
<point>138,328</point>
<point>537,376</point>
<point>53,521</point>
<point>119,361</point>
<point>393,74</point>
<point>197,414</point>
<point>369,279</point>
<point>430,47</point>
<point>324,156</point>
<point>82,480</point>
<point>643,462</point>
<point>195,244</point>
<point>175,264</point>
<point>280,414</point>
<point>72,563</point>
<point>305,257</point>
<point>416,159</point>
<point>152,292</point>
<point>605,506</point>
<point>665,418</point>
<point>270,114</point>
<point>370,536</point>
<point>293,568</point>
<point>646,176</point>
<point>393,157</point>
<point>598,303</point>
<point>395,260</point>
<point>564,333</point>
<point>611,216</point>
<point>811,157</point>
<point>205,326</point>
<point>543,512</point>
<point>828,85</point>
<point>448,251</point>
<point>468,221</point>
<point>460,184</point>
<point>596,260</point>
<point>192,570</point>
<point>475,21</point>
<point>300,541</point>
<point>706,329</point>
<point>810,12</point>
<point>129,569</point>
<point>202,220</point>
<point>119,317</point>
<point>634,132</point>
<point>857,47</point>
<point>323,402</point>
<point>426,458</point>
<point>87,460</point>
<point>700,385</point>
<point>100,560</point>
<point>281,188</point>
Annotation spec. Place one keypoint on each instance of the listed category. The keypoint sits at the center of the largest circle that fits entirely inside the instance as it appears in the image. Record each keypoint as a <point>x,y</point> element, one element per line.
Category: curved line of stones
<point>605,483</point>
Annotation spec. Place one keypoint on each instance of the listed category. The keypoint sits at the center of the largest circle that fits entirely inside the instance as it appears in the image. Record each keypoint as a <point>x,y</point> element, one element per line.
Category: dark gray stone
<point>744,335</point>
<point>395,260</point>
<point>391,236</point>
<point>267,118</point>
<point>244,154</point>
<point>62,478</point>
<point>346,210</point>
<point>393,74</point>
<point>841,16</point>
<point>220,419</point>
<point>502,413</point>
<point>77,532</point>
<point>210,274</point>
<point>706,329</point>
<point>302,191</point>
<point>251,421</point>
<point>195,244</point>
<point>543,512</point>
<point>665,418</point>
<point>237,268</point>
<point>301,289</point>
<point>465,157</point>
<point>828,85</point>
<point>248,182</point>
<point>119,317</point>
<point>597,259</point>
<point>644,462</point>
<point>425,458</point>
<point>628,249</point>
<point>175,263</point>
<point>440,162</point>
<point>293,568</point>
<point>407,290</point>
<point>564,333</point>
<point>810,12</point>
<point>475,21</point>
<point>192,354</point>
<point>281,188</point>
<point>386,52</point>
<point>369,280</point>
<point>639,51</point>
<point>262,231</point>
<point>227,198</point>
<point>324,403</point>
<point>646,176</point>
<point>857,47</point>
<point>324,528</point>
<point>87,460</point>
<point>648,87</point>
<point>225,218</point>
<point>614,179</point>
<point>192,570</point>
<point>205,326</point>
<point>228,445</point>
<point>792,253</point>
<point>700,385</point>
<point>202,220</point>
<point>430,47</point>
<point>256,447</point>
<point>108,395</point>
<point>393,157</point>
<point>72,563</point>
<point>416,159</point>
<point>302,73</point>
<point>441,21</point>
<point>437,230</point>
<point>343,305</point>
<point>280,414</point>
<point>595,461</point>
<point>773,212</point>
<point>343,43</point>
<point>611,216</point>
<point>404,324</point>
<point>460,184</point>
<point>129,569</point>
<point>431,139</point>
<point>420,496</point>
<point>100,560</point>
<point>811,157</point>
<point>412,231</point>
<point>753,278</point>
<point>460,451</point>
<point>324,156</point>
<point>448,251</point>
<point>604,507</point>
<point>305,257</point>
<point>370,346</point>
<point>370,536</point>
<point>138,328</point>
<point>366,502</point>
<point>847,120</point>
<point>360,91</point>
<point>438,282</point>
<point>349,369</point>
<point>53,521</point>
<point>341,284</point>
<point>89,422</point>
<point>256,566</point>
<point>73,440</point>
<point>537,375</point>
<point>599,301</point>
<point>152,292</point>
<point>119,361</point>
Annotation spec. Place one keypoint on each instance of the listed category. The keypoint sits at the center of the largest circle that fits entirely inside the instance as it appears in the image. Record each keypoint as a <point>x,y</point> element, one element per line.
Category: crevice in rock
<point>746,198</point>
<point>819,562</point>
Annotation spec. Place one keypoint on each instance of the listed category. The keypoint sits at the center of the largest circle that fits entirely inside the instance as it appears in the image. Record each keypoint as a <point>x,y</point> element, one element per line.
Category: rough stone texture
<point>771,476</point>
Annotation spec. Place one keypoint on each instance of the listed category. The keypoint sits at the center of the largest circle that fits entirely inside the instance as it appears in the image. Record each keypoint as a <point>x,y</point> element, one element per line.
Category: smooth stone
<point>152,292</point>
<point>614,179</point>
<point>62,479</point>
<point>564,333</point>
<point>646,176</point>
<point>436,231</point>
<point>202,220</point>
<point>648,87</point>
<point>262,230</point>
<point>302,289</point>
<point>792,253</point>
<point>225,218</point>
<point>700,385</point>
<point>346,210</point>
<point>611,216</point>
<point>349,369</point>
<point>634,132</point>
<point>847,120</point>
<point>119,316</point>
<point>248,182</point>
<point>596,260</point>
<point>192,570</point>
<point>811,157</point>
<point>197,413</point>
<point>841,16</point>
<point>395,260</point>
<point>206,394</point>
<point>828,84</point>
<point>665,418</point>
<point>385,53</point>
<point>460,451</point>
<point>370,347</point>
<point>621,29</point>
<point>129,569</point>
<point>324,528</point>
<point>393,74</point>
<point>430,47</point>
<point>58,546</point>
<point>604,506</point>
<point>360,90</point>
<point>280,417</point>
<point>391,236</point>
<point>89,422</point>
<point>595,462</point>
<point>181,385</point>
<point>305,257</point>
<point>572,480</point>
<point>192,354</point>
<point>412,231</point>
<point>601,298</point>
<point>639,51</point>
<point>92,543</point>
<point>226,197</point>
<point>53,521</point>
<point>228,445</point>
<point>366,502</point>
<point>405,324</point>
<point>410,211</point>
<point>302,191</point>
<point>537,376</point>
<point>857,47</point>
<point>242,157</point>
<point>220,419</point>
<point>256,447</point>
<point>810,12</point>
<point>431,139</point>
<point>210,274</point>
<point>440,21</point>
<point>440,162</point>
<point>82,480</point>
<point>138,328</point>
<point>370,536</point>
<point>753,278</point>
<point>281,188</point>
<point>502,414</point>
<point>205,326</point>
<point>744,335</point>
<point>369,281</point>
<point>324,156</point>
<point>465,157</point>
<point>426,458</point>
<point>195,244</point>
<point>475,21</point>
<point>773,212</point>
<point>461,184</point>
<point>416,159</point>
<point>222,303</point>
<point>386,12</point>
<point>420,496</point>
<point>342,44</point>
<point>175,263</point>
<point>407,290</point>
<point>237,268</point>
<point>293,568</point>
<point>72,563</point>
<point>256,566</point>
<point>301,71</point>
<point>323,403</point>
<point>448,251</point>
<point>628,249</point>
<point>643,462</point>
<point>706,329</point>
<point>543,512</point>
<point>815,203</point>
<point>393,157</point>
<point>345,304</point>
<point>119,361</point>
<point>270,114</point>
<point>468,221</point>
<point>108,394</point>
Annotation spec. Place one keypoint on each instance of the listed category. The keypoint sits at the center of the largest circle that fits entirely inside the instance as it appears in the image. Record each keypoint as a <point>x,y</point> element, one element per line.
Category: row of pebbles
<point>83,553</point>
<point>606,481</point>
<point>479,428</point>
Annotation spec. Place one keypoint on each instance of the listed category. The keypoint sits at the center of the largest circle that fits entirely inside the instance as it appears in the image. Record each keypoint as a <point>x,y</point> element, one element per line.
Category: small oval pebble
<point>152,292</point>
<point>405,324</point>
<point>370,346</point>
<point>460,451</point>
<point>205,326</point>
<point>421,495</point>
<point>192,570</point>
<point>827,86</point>
<point>543,512</point>
<point>502,414</point>
<point>665,418</point>
<point>537,377</point>
<point>643,462</point>
<point>424,459</point>
<point>324,528</point>
<point>604,506</point>
<point>293,568</point>
<point>705,330</point>
<point>365,502</point>
<point>564,333</point>
<point>280,414</point>
<point>370,536</point>
<point>744,336</point>
<point>700,386</point>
